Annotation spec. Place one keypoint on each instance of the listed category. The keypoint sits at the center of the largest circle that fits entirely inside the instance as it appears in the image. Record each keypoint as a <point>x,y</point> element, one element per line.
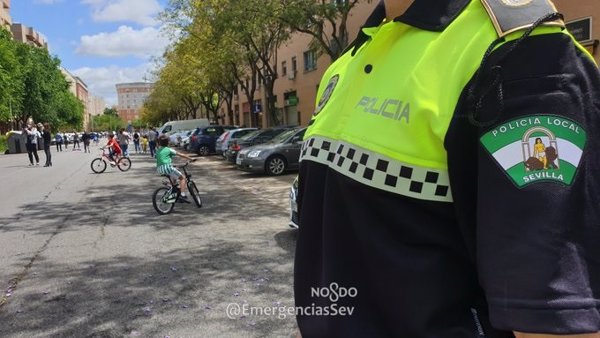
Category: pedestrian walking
<point>85,138</point>
<point>124,139</point>
<point>76,141</point>
<point>58,139</point>
<point>136,141</point>
<point>32,143</point>
<point>144,142</point>
<point>152,136</point>
<point>47,138</point>
<point>66,140</point>
<point>426,205</point>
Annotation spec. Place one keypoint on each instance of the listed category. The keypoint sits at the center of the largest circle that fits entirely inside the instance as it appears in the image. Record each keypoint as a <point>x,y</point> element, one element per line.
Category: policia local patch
<point>537,148</point>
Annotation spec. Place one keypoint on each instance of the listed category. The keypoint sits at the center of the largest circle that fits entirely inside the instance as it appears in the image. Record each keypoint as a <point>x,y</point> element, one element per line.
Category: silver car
<point>275,157</point>
<point>223,141</point>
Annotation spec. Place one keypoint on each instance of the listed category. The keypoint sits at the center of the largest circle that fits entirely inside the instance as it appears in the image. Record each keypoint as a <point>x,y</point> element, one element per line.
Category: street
<point>86,255</point>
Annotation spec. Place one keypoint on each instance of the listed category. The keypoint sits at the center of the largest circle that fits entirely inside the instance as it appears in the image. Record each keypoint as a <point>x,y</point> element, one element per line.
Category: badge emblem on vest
<point>516,3</point>
<point>537,148</point>
<point>326,94</point>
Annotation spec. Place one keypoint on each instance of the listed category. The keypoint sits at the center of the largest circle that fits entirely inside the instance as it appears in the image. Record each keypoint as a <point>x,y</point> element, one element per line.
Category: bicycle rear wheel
<point>124,164</point>
<point>161,202</point>
<point>98,165</point>
<point>195,193</point>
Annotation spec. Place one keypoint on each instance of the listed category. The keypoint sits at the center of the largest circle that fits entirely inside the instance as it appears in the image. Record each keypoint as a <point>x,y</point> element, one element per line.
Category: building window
<point>283,68</point>
<point>310,60</point>
<point>294,65</point>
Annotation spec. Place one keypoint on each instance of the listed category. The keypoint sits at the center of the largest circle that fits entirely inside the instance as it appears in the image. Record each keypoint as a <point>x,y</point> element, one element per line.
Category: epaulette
<point>512,15</point>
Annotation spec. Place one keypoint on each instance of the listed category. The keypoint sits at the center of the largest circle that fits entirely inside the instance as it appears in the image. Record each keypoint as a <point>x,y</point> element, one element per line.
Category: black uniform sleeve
<point>525,175</point>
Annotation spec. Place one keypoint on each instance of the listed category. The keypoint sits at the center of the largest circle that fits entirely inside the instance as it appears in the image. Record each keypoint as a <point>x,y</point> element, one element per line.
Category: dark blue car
<point>203,139</point>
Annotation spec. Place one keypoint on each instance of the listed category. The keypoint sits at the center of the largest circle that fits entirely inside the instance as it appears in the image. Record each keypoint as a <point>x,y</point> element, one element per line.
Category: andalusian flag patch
<point>537,148</point>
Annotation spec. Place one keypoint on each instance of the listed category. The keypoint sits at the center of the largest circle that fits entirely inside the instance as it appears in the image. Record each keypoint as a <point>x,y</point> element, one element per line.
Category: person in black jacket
<point>45,131</point>
<point>85,137</point>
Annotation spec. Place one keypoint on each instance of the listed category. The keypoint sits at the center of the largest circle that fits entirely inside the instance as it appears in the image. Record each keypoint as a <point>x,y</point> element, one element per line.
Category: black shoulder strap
<point>512,15</point>
<point>373,20</point>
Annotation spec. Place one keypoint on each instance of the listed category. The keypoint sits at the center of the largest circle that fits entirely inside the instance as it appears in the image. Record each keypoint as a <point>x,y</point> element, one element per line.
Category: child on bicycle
<point>113,148</point>
<point>164,164</point>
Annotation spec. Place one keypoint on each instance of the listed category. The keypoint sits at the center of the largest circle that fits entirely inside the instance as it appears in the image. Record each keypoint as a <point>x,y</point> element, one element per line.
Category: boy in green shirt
<point>164,165</point>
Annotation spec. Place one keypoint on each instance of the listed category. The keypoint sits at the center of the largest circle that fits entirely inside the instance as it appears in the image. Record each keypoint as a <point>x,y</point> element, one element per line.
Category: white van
<point>175,126</point>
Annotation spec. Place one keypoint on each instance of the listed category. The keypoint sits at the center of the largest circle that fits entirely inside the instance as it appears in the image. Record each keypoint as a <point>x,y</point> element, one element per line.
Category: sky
<point>104,42</point>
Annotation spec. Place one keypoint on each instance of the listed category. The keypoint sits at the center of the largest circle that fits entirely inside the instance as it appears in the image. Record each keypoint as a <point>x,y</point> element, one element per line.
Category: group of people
<point>39,133</point>
<point>143,141</point>
<point>86,138</point>
<point>34,134</point>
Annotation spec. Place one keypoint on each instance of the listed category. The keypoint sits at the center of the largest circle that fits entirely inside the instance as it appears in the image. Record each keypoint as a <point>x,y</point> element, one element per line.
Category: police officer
<point>449,177</point>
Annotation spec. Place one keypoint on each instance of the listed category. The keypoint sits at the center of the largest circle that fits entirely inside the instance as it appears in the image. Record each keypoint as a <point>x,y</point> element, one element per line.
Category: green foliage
<point>138,124</point>
<point>325,21</point>
<point>3,144</point>
<point>107,122</point>
<point>110,111</point>
<point>11,82</point>
<point>32,85</point>
<point>222,44</point>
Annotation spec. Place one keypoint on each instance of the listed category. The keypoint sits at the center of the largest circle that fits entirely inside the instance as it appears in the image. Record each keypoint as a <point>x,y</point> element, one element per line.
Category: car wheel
<point>275,166</point>
<point>203,150</point>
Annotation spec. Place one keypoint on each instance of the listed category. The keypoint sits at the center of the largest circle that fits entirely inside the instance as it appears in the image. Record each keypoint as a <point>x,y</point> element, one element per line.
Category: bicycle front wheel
<point>161,201</point>
<point>195,193</point>
<point>124,163</point>
<point>98,165</point>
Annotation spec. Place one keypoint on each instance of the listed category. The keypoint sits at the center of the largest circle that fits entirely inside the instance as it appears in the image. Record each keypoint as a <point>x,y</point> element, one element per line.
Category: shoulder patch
<point>512,15</point>
<point>537,148</point>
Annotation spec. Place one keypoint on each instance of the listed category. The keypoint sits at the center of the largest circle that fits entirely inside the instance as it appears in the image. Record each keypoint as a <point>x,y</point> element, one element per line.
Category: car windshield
<point>250,135</point>
<point>283,136</point>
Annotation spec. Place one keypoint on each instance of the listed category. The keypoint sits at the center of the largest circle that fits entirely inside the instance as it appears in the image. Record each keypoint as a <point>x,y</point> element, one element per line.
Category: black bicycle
<point>164,198</point>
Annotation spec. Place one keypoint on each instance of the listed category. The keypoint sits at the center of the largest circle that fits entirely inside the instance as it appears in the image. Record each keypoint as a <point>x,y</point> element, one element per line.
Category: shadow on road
<point>168,289</point>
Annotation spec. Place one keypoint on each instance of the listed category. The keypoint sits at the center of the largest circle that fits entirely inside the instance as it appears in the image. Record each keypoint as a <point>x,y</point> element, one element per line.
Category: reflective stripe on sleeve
<point>378,171</point>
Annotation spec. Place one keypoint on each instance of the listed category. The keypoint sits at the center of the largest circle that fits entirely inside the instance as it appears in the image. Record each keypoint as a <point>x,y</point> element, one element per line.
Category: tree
<point>32,85</point>
<point>11,84</point>
<point>108,122</point>
<point>110,111</point>
<point>249,33</point>
<point>324,20</point>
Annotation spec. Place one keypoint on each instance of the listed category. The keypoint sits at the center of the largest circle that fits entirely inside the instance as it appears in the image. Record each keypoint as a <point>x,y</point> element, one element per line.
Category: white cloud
<point>140,11</point>
<point>142,43</point>
<point>101,81</point>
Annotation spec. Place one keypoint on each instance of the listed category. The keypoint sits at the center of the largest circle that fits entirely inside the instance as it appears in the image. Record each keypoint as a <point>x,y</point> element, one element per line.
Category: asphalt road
<point>86,255</point>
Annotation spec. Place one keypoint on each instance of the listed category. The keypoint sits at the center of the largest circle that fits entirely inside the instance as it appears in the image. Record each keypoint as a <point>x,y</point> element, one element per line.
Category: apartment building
<point>5,19</point>
<point>82,94</point>
<point>131,98</point>
<point>300,70</point>
<point>28,35</point>
<point>80,90</point>
<point>96,105</point>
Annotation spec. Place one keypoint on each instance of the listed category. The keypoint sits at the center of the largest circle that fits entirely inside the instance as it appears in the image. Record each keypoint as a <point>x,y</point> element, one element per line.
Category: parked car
<point>252,138</point>
<point>185,140</point>
<point>174,126</point>
<point>294,205</point>
<point>203,139</point>
<point>275,157</point>
<point>175,138</point>
<point>224,140</point>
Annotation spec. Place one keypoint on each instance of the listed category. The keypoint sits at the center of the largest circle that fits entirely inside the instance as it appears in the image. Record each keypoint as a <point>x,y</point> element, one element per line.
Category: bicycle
<point>164,198</point>
<point>99,164</point>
